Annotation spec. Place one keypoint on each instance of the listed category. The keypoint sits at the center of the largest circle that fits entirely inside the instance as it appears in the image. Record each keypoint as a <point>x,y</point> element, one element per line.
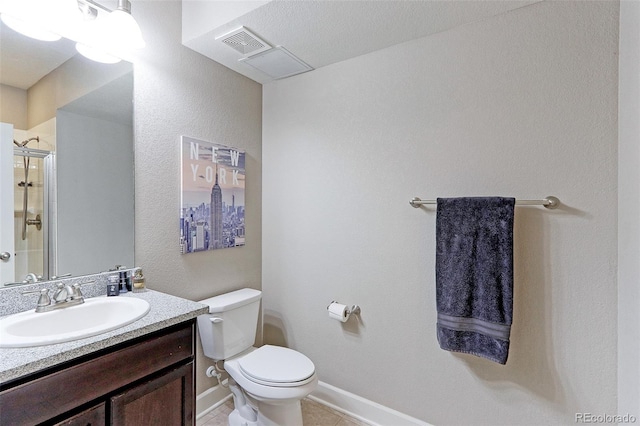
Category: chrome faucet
<point>65,295</point>
<point>32,278</point>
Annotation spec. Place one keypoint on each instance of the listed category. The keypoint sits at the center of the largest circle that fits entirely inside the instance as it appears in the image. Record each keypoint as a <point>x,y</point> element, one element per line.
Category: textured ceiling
<point>318,32</point>
<point>324,32</point>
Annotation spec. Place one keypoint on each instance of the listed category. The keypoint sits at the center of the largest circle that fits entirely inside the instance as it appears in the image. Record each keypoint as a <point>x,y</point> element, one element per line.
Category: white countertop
<point>166,310</point>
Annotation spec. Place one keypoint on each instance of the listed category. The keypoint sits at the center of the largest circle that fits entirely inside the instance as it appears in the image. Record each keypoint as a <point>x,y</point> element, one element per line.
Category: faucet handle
<point>77,294</point>
<point>44,299</point>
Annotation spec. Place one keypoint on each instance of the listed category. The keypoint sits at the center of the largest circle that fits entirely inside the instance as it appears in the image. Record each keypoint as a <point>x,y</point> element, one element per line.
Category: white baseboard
<point>361,408</point>
<point>211,399</point>
<point>340,400</point>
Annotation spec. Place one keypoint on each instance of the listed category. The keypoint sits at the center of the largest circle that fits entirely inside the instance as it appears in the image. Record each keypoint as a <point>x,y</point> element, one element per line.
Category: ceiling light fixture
<point>101,34</point>
<point>109,35</point>
<point>25,28</point>
<point>39,19</point>
<point>96,54</point>
<point>125,29</point>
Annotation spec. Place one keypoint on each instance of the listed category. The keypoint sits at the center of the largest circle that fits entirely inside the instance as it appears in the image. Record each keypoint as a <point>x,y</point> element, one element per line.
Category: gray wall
<point>94,166</point>
<point>629,210</point>
<point>180,92</point>
<point>522,104</point>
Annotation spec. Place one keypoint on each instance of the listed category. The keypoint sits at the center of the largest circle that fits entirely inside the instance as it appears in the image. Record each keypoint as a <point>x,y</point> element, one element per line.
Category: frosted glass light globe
<point>125,31</point>
<point>25,28</point>
<point>95,54</point>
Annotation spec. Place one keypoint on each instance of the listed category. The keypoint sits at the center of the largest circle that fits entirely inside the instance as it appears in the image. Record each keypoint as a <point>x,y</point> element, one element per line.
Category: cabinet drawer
<point>61,391</point>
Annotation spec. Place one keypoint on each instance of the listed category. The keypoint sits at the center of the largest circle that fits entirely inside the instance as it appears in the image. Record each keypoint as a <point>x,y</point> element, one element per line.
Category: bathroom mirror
<point>72,121</point>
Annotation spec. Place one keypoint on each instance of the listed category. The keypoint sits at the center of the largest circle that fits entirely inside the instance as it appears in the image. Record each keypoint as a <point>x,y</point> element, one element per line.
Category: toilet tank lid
<point>232,300</point>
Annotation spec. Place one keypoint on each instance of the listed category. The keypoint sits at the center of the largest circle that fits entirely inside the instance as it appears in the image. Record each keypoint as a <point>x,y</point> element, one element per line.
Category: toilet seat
<point>277,366</point>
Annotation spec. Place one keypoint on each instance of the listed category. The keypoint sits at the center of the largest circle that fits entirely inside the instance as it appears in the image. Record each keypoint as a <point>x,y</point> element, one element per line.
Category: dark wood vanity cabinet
<point>146,382</point>
<point>159,401</point>
<point>94,416</point>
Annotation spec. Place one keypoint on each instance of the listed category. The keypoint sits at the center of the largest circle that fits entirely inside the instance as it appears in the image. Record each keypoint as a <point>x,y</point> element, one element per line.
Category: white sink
<point>96,315</point>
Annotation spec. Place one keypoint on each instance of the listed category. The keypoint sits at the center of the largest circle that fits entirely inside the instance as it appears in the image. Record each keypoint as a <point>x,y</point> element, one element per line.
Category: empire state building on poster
<point>216,215</point>
<point>212,214</point>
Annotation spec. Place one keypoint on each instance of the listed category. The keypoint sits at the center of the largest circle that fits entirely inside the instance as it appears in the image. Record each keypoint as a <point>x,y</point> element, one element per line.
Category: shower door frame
<point>48,158</point>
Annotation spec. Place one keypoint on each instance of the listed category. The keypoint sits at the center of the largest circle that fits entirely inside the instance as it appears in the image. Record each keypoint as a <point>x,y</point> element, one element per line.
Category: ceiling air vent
<point>277,63</point>
<point>244,41</point>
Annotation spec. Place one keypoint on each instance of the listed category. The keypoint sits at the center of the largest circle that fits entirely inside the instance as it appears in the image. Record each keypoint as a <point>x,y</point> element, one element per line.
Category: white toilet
<point>267,382</point>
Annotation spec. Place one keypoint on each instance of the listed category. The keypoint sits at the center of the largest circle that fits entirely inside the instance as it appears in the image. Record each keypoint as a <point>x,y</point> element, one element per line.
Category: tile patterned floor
<point>313,414</point>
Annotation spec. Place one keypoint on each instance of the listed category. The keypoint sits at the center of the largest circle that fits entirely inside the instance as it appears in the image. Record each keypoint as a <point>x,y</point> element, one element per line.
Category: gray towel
<point>474,275</point>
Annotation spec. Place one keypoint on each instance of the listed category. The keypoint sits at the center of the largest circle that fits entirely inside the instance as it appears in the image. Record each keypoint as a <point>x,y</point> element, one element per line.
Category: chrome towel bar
<point>549,202</point>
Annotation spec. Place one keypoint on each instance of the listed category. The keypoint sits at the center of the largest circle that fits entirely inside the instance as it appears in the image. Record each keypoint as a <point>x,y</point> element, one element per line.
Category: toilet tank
<point>230,326</point>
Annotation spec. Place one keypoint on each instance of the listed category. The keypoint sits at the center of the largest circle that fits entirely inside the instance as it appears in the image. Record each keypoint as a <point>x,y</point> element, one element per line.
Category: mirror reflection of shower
<point>25,184</point>
<point>33,169</point>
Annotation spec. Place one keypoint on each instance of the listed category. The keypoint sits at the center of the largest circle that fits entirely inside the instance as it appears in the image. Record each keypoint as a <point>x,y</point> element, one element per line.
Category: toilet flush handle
<point>216,320</point>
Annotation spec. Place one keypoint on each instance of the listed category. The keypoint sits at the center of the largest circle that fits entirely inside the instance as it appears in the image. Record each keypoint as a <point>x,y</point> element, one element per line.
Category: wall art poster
<point>212,200</point>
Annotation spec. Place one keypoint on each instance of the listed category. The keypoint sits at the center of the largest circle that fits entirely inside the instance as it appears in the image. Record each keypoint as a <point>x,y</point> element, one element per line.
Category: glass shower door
<point>31,169</point>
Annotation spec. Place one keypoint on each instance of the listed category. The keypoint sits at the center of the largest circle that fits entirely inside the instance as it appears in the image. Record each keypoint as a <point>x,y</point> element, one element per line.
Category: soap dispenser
<point>138,282</point>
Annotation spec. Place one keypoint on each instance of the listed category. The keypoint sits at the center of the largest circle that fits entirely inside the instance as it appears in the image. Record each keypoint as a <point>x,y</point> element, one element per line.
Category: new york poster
<point>212,214</point>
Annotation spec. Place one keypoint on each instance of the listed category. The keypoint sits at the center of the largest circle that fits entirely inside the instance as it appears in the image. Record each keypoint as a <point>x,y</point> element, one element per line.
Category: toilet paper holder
<point>354,310</point>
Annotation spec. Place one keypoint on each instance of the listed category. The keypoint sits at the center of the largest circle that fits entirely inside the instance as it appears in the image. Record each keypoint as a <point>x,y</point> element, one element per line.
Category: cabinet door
<point>94,416</point>
<point>165,400</point>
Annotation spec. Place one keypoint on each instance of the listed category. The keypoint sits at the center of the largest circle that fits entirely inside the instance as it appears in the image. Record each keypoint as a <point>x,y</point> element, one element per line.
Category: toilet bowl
<point>268,382</point>
<point>275,379</point>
